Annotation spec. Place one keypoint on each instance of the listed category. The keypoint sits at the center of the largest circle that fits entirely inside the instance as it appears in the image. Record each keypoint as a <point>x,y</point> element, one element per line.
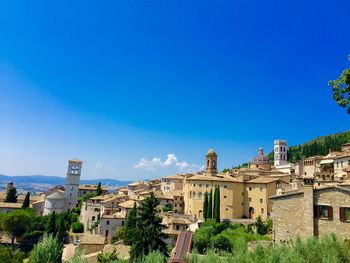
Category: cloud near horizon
<point>171,162</point>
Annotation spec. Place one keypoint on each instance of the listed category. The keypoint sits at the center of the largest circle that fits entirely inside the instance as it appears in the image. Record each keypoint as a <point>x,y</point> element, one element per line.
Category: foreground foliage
<point>49,250</point>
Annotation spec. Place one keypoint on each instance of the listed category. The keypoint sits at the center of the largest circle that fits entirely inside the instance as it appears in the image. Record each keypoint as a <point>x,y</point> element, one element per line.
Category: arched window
<point>200,195</point>
<point>194,194</point>
<point>208,163</point>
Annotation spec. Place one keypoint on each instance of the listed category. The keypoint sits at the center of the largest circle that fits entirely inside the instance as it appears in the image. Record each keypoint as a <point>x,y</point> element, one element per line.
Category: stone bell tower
<point>280,151</point>
<point>211,163</point>
<point>72,184</point>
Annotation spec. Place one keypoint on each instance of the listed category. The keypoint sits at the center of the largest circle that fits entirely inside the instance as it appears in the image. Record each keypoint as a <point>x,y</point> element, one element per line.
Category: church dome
<point>211,152</point>
<point>261,158</point>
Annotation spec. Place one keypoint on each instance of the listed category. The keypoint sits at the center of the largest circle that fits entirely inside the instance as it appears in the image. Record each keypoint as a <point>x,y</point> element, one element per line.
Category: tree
<point>49,250</point>
<point>107,257</point>
<point>130,226</point>
<point>61,230</point>
<point>51,225</point>
<point>341,89</point>
<point>8,256</point>
<point>78,227</point>
<point>148,234</point>
<point>99,189</point>
<point>16,223</point>
<point>11,196</point>
<point>217,204</point>
<point>26,201</point>
<point>221,243</point>
<point>210,205</point>
<point>261,228</point>
<point>205,206</point>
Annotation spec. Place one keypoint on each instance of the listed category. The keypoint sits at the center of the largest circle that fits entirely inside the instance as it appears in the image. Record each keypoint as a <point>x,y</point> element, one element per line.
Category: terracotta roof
<point>176,176</point>
<point>214,178</point>
<point>315,190</point>
<point>55,195</point>
<point>262,180</point>
<point>127,204</point>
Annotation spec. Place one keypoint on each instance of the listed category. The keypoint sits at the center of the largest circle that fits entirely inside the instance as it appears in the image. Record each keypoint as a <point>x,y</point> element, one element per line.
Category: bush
<point>77,227</point>
<point>9,256</point>
<point>221,243</point>
<point>47,251</point>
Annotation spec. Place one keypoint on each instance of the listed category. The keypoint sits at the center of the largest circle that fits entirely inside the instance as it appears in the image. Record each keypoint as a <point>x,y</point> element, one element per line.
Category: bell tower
<point>211,163</point>
<point>280,150</point>
<point>72,183</point>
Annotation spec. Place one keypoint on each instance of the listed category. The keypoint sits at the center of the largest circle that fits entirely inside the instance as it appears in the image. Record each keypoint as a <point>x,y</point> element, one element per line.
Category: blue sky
<point>141,89</point>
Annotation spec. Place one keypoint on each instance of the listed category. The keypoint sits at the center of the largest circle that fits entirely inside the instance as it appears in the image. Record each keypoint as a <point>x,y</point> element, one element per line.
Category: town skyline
<point>135,92</point>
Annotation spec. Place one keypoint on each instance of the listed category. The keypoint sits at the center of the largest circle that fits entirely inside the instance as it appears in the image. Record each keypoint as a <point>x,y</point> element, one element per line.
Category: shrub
<point>77,227</point>
<point>47,251</point>
<point>221,243</point>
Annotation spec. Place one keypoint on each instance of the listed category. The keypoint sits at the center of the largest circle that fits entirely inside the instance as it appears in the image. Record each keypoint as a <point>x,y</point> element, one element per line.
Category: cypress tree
<point>210,205</point>
<point>11,196</point>
<point>217,204</point>
<point>99,189</point>
<point>205,206</point>
<point>51,226</point>
<point>130,226</point>
<point>26,201</point>
<point>61,230</point>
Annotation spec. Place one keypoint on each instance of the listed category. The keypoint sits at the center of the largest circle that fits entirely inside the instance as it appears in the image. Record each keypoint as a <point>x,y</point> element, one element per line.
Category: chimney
<point>308,206</point>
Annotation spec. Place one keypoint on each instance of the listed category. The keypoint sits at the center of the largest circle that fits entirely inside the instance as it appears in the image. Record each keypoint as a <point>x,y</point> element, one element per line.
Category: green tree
<point>341,89</point>
<point>130,226</point>
<point>26,201</point>
<point>148,231</point>
<point>78,227</point>
<point>261,228</point>
<point>107,257</point>
<point>11,196</point>
<point>221,243</point>
<point>99,189</point>
<point>51,225</point>
<point>61,230</point>
<point>16,223</point>
<point>205,206</point>
<point>210,205</point>
<point>217,204</point>
<point>8,256</point>
<point>49,250</point>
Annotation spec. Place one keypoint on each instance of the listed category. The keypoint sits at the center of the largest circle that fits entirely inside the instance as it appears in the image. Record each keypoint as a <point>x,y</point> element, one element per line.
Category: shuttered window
<point>344,214</point>
<point>323,212</point>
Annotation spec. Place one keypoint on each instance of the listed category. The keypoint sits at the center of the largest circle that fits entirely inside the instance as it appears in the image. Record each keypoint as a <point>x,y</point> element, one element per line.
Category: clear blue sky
<point>115,82</point>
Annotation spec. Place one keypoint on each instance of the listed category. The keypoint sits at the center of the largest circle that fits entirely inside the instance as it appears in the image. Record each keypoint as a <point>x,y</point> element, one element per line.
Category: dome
<point>261,158</point>
<point>211,152</point>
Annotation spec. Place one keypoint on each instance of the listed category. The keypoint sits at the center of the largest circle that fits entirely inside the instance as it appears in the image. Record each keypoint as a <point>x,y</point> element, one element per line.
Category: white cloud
<point>171,161</point>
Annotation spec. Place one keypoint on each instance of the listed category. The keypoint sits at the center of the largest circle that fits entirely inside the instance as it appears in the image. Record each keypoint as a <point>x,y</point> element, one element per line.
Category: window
<point>93,218</point>
<point>175,205</point>
<point>177,227</point>
<point>225,186</point>
<point>341,163</point>
<point>337,164</point>
<point>194,194</point>
<point>106,235</point>
<point>262,210</point>
<point>194,185</point>
<point>225,196</point>
<point>107,222</point>
<point>207,185</point>
<point>226,209</point>
<point>261,189</point>
<point>190,194</point>
<point>200,195</point>
<point>344,213</point>
<point>250,188</point>
<point>261,200</point>
<point>180,205</point>
<point>122,223</point>
<point>200,185</point>
<point>250,199</point>
<point>323,212</point>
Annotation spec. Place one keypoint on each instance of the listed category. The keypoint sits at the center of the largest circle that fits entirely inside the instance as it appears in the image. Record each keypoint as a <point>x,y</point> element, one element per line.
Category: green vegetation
<point>26,201</point>
<point>107,257</point>
<point>11,196</point>
<point>341,89</point>
<point>223,237</point>
<point>210,205</point>
<point>205,206</point>
<point>77,227</point>
<point>146,235</point>
<point>168,208</point>
<point>130,225</point>
<point>49,250</point>
<point>99,189</point>
<point>217,204</point>
<point>11,256</point>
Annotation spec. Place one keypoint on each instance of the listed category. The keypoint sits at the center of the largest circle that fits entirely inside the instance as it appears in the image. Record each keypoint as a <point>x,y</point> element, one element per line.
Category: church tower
<point>280,150</point>
<point>211,163</point>
<point>72,184</point>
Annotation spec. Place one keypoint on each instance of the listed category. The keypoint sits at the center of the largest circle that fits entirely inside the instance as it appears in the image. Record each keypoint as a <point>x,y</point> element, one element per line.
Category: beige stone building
<point>90,188</point>
<point>311,212</point>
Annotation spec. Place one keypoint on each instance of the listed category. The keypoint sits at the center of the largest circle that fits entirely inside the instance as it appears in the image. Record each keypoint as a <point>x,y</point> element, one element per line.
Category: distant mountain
<point>39,183</point>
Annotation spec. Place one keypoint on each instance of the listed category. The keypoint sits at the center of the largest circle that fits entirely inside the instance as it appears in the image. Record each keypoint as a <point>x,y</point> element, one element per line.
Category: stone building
<point>90,188</point>
<point>311,212</point>
<point>54,202</point>
<point>72,184</point>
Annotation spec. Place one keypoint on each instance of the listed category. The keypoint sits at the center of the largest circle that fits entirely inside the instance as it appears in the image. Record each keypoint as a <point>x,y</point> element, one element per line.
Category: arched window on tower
<point>208,163</point>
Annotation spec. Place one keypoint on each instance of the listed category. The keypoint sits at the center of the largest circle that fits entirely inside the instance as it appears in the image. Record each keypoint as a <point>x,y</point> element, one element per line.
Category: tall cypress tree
<point>217,204</point>
<point>205,206</point>
<point>26,201</point>
<point>99,189</point>
<point>130,226</point>
<point>61,230</point>
<point>11,196</point>
<point>51,225</point>
<point>210,205</point>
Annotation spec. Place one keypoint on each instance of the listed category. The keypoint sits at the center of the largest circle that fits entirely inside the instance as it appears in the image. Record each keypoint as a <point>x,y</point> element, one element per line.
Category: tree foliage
<point>210,205</point>
<point>78,227</point>
<point>205,206</point>
<point>49,250</point>
<point>130,226</point>
<point>261,227</point>
<point>148,234</point>
<point>16,223</point>
<point>11,196</point>
<point>9,256</point>
<point>217,204</point>
<point>51,225</point>
<point>341,89</point>
<point>107,257</point>
<point>26,201</point>
<point>99,189</point>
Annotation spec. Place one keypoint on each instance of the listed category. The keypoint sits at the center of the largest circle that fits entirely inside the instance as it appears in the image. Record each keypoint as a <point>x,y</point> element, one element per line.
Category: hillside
<point>318,146</point>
